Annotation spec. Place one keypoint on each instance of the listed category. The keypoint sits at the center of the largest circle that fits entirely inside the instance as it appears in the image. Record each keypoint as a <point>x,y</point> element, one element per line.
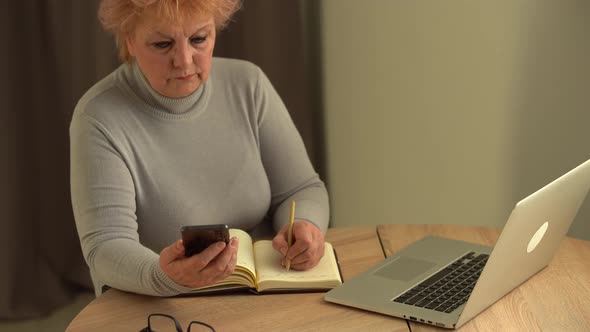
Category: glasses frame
<point>176,323</point>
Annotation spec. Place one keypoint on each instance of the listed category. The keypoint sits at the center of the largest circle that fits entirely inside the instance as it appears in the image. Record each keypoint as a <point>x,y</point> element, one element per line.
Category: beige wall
<point>451,111</point>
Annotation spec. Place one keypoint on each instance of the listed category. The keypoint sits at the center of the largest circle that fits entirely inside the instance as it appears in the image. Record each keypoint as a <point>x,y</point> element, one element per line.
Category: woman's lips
<point>185,78</point>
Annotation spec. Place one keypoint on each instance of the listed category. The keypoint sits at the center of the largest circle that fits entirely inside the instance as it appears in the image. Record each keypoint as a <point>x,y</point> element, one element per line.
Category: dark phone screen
<point>198,238</point>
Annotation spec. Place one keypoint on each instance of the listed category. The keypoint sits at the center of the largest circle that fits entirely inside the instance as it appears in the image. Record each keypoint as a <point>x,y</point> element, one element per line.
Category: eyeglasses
<point>165,323</point>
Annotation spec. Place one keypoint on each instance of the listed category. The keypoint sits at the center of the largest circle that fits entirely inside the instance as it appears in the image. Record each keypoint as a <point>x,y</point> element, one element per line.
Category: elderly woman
<point>177,137</point>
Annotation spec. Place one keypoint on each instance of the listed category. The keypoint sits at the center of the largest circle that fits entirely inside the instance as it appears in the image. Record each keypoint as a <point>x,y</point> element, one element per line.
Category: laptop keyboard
<point>450,287</point>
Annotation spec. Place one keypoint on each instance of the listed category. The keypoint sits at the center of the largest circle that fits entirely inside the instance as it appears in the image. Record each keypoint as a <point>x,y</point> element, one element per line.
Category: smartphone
<point>198,238</point>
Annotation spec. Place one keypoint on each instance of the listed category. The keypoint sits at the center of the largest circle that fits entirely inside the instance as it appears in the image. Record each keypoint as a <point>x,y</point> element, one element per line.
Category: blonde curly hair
<point>121,16</point>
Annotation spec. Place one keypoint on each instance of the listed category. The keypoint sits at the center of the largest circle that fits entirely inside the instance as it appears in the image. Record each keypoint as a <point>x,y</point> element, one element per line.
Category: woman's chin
<point>182,90</point>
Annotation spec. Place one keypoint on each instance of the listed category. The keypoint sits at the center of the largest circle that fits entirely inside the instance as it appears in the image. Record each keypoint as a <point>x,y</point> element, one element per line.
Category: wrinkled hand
<point>306,249</point>
<point>203,269</point>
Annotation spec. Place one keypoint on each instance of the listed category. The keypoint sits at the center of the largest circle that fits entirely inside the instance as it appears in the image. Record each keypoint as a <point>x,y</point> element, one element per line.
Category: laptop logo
<point>537,237</point>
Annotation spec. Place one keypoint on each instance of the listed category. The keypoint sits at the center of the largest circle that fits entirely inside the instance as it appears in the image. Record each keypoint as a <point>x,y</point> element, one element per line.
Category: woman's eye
<point>198,40</point>
<point>162,44</point>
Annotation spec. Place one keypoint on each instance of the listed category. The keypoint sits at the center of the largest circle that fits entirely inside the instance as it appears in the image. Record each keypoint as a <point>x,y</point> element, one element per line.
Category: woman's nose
<point>182,56</point>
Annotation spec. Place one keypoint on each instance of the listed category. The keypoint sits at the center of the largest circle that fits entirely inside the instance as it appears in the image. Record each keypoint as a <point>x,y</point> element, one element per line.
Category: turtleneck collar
<point>184,106</point>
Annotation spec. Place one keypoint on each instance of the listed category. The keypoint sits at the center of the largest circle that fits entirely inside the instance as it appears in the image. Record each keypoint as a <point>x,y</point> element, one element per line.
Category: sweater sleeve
<point>103,201</point>
<point>289,170</point>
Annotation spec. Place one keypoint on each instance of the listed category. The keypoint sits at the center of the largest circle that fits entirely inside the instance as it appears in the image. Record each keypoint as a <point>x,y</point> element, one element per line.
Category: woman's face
<point>175,57</point>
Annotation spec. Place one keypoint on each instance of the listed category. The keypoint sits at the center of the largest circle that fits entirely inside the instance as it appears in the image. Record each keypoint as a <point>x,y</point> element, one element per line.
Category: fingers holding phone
<point>212,264</point>
<point>212,256</point>
<point>222,264</point>
<point>198,238</point>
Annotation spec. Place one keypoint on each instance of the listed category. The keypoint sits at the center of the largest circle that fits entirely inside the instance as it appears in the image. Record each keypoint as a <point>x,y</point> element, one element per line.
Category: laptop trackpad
<point>404,268</point>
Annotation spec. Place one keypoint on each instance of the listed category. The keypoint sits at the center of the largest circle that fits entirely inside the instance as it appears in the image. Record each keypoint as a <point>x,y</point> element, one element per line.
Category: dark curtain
<point>52,53</point>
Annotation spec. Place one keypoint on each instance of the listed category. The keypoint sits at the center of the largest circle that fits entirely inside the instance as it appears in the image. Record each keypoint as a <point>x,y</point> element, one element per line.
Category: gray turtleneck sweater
<point>143,165</point>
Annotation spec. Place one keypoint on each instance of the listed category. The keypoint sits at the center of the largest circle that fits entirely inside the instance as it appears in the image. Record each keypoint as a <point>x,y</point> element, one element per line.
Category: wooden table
<point>555,299</point>
<point>357,248</point>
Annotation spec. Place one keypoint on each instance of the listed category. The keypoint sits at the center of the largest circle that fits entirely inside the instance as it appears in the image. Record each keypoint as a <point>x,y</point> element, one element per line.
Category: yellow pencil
<point>290,232</point>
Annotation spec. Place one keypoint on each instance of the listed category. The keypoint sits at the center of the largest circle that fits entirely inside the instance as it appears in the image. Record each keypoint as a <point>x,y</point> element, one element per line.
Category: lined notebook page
<point>272,275</point>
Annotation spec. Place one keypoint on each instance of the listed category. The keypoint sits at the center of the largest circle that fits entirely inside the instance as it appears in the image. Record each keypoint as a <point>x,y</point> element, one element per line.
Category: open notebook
<point>258,269</point>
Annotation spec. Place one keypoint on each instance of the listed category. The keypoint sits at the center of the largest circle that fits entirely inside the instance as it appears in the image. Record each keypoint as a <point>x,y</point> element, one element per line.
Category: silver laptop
<point>445,283</point>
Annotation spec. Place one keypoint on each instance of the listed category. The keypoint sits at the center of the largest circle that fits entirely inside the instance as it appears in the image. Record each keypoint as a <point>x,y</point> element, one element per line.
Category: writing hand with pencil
<point>300,242</point>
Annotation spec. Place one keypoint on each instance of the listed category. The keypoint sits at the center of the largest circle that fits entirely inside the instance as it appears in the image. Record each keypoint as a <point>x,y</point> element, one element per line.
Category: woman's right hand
<point>203,269</point>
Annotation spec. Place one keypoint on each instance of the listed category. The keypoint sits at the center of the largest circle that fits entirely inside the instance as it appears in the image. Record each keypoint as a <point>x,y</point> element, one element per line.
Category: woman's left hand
<point>307,247</point>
